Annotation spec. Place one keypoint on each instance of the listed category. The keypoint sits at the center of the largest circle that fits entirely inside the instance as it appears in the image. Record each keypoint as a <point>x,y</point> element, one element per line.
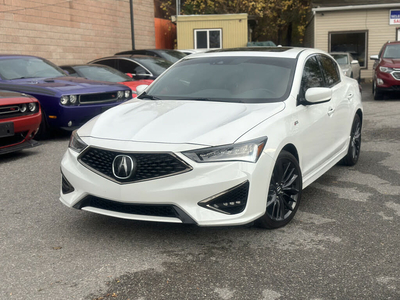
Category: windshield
<point>392,51</point>
<point>341,58</point>
<point>173,55</point>
<point>154,64</point>
<point>229,79</point>
<point>28,67</point>
<point>102,73</point>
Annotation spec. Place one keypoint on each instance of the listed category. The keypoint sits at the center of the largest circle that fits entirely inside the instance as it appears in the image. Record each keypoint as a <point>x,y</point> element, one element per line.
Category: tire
<point>353,153</point>
<point>377,93</point>
<point>284,193</point>
<point>44,131</point>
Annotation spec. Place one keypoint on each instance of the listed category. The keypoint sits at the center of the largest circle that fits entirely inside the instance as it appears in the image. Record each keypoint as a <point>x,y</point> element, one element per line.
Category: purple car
<point>67,102</point>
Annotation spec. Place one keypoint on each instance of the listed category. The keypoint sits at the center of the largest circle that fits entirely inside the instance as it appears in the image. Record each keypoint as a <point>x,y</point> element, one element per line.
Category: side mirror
<point>129,74</point>
<point>374,57</point>
<point>141,88</point>
<point>354,62</point>
<point>317,95</point>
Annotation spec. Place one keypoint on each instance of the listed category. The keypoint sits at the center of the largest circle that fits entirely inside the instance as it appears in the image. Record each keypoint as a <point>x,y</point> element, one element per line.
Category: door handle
<point>331,110</point>
<point>350,96</point>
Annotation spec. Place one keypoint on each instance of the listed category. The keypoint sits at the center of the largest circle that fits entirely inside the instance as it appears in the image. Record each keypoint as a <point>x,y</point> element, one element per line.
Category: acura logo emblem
<point>123,166</point>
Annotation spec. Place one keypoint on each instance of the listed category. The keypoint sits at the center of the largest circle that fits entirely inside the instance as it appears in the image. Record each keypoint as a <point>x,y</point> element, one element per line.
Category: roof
<point>336,3</point>
<point>351,5</point>
<point>284,52</point>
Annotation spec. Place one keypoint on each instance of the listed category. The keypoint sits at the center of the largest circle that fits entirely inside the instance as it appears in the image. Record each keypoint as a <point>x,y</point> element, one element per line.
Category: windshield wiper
<point>146,96</point>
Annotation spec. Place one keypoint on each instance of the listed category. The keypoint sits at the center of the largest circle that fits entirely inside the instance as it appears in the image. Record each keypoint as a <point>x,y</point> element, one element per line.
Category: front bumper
<point>72,117</point>
<point>182,196</point>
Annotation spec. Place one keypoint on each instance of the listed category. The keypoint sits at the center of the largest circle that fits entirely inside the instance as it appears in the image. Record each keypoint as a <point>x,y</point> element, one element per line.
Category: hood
<point>60,85</point>
<point>179,122</point>
<point>391,62</point>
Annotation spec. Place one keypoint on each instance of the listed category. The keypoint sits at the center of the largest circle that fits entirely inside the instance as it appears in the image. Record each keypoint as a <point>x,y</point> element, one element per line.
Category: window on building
<point>354,42</point>
<point>208,39</point>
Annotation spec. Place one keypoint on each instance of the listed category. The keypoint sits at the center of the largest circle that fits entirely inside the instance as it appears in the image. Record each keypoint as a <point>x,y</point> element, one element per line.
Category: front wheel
<point>353,153</point>
<point>284,193</point>
<point>377,93</point>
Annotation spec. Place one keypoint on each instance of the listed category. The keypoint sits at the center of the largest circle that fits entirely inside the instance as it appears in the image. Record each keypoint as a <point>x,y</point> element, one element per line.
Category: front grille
<point>14,139</point>
<point>128,208</point>
<point>10,111</point>
<point>396,75</point>
<point>232,201</point>
<point>100,98</point>
<point>148,165</point>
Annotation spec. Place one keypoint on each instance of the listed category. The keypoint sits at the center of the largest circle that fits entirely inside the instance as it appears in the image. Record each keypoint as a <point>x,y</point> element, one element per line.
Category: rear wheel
<point>284,193</point>
<point>353,153</point>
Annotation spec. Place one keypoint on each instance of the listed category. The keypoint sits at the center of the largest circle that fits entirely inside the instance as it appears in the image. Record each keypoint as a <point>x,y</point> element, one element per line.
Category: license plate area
<point>6,129</point>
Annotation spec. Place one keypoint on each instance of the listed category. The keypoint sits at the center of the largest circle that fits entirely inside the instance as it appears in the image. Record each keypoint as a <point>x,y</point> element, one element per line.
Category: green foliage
<point>281,21</point>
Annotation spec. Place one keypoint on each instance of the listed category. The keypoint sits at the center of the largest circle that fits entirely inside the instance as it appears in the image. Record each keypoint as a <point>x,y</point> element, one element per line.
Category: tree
<point>282,21</point>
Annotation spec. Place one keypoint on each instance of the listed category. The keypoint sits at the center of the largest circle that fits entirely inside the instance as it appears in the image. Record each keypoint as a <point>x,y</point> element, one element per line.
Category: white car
<point>349,65</point>
<point>223,138</point>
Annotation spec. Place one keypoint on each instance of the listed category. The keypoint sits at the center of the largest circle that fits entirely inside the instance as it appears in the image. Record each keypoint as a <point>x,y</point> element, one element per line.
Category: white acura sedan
<point>227,137</point>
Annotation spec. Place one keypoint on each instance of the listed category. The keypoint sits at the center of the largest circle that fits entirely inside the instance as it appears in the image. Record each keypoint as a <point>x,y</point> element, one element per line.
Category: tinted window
<point>128,66</point>
<point>201,40</point>
<point>155,65</point>
<point>330,70</point>
<point>392,51</point>
<point>230,79</point>
<point>312,76</point>
<point>71,71</point>
<point>28,67</point>
<point>108,62</point>
<point>102,73</point>
<point>215,39</point>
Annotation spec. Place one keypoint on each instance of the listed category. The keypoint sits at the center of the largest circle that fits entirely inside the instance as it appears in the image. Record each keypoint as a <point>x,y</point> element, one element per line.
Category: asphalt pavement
<point>342,244</point>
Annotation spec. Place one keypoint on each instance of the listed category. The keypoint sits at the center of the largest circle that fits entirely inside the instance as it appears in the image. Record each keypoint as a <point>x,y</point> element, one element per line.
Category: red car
<point>104,73</point>
<point>386,70</point>
<point>20,118</point>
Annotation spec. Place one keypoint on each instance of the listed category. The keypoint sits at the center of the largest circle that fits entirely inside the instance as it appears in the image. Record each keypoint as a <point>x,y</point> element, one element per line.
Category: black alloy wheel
<point>284,193</point>
<point>353,153</point>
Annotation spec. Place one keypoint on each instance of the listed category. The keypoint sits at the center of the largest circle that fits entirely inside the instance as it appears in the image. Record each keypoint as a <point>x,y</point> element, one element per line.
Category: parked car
<point>137,66</point>
<point>167,54</point>
<point>67,102</point>
<point>222,138</point>
<point>104,73</point>
<point>20,117</point>
<point>386,70</point>
<point>348,64</point>
<point>192,51</point>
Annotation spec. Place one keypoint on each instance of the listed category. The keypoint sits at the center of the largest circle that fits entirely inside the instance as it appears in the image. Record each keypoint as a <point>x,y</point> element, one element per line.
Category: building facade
<point>211,31</point>
<point>358,29</point>
<point>74,31</point>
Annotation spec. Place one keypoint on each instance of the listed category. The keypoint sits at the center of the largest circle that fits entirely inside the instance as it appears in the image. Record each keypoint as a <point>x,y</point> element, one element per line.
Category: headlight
<point>386,69</point>
<point>22,108</point>
<point>127,94</point>
<point>64,100</point>
<point>72,99</point>
<point>32,106</point>
<point>248,151</point>
<point>69,100</point>
<point>120,94</point>
<point>75,142</point>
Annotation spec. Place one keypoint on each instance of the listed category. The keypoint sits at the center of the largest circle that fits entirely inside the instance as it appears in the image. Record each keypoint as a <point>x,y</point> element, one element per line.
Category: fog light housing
<point>66,187</point>
<point>232,201</point>
<point>379,81</point>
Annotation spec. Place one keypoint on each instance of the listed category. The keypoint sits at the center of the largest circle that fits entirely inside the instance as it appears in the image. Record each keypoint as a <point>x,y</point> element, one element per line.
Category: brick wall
<point>74,31</point>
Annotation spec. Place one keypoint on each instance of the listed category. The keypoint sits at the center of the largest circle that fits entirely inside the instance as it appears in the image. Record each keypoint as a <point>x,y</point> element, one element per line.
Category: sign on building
<point>394,17</point>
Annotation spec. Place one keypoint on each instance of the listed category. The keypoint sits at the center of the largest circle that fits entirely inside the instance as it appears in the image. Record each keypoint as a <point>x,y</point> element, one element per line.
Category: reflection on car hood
<point>391,62</point>
<point>168,121</point>
<point>58,85</point>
